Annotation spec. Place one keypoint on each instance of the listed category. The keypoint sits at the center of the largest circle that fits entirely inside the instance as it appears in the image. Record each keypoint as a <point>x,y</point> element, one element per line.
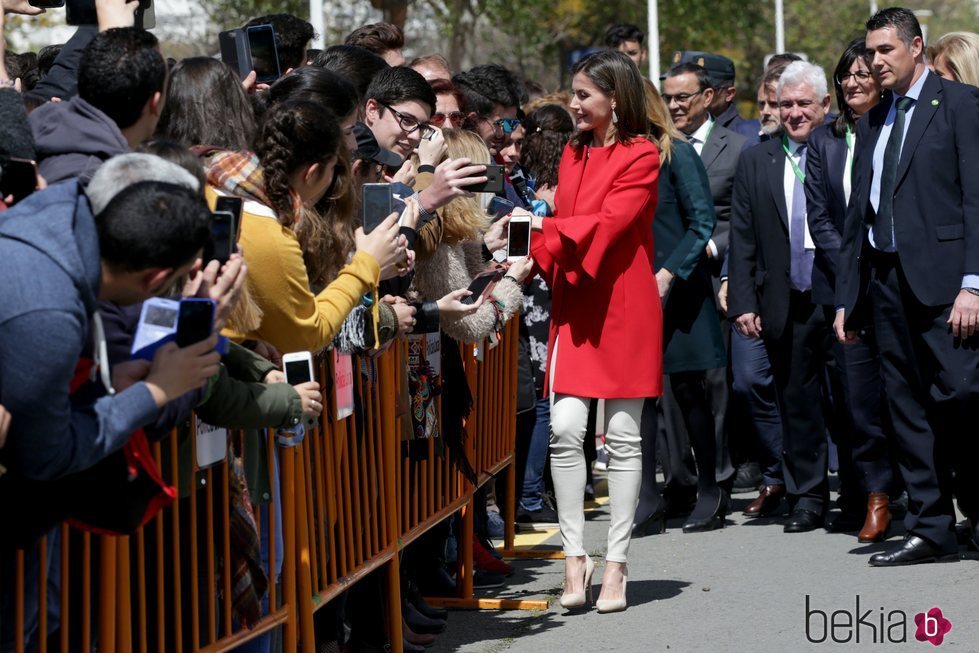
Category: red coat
<point>596,254</point>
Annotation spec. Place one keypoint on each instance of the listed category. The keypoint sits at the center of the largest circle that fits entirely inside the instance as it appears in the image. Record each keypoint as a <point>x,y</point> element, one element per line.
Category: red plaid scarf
<point>240,174</point>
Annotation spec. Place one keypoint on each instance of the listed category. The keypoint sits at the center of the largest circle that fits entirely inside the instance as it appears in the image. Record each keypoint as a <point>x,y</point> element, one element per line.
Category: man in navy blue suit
<point>909,264</point>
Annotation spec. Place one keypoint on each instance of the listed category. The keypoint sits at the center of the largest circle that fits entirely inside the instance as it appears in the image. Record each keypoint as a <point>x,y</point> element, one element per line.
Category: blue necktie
<point>801,265</point>
<point>884,221</point>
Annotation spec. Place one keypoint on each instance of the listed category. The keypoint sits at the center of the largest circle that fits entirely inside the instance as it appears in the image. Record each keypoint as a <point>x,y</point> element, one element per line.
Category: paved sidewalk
<point>743,588</point>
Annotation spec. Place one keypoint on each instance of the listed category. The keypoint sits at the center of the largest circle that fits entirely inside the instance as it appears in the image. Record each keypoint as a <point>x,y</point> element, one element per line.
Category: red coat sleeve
<point>577,244</point>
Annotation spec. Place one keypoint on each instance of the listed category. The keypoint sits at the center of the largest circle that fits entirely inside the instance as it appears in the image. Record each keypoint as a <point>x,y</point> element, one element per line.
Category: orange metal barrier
<point>351,500</point>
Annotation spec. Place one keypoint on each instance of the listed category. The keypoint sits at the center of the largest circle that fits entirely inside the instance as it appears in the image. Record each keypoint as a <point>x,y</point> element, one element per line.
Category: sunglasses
<point>454,117</point>
<point>508,125</point>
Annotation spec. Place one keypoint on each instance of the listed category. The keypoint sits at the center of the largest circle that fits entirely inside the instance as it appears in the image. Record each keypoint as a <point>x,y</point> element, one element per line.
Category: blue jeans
<point>536,457</point>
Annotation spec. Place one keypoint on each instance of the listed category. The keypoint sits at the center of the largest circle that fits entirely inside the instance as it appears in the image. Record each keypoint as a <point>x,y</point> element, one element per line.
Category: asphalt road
<point>742,588</point>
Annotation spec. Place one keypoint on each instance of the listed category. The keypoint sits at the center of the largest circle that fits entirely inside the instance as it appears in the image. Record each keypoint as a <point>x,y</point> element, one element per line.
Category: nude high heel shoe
<point>577,600</point>
<point>614,605</point>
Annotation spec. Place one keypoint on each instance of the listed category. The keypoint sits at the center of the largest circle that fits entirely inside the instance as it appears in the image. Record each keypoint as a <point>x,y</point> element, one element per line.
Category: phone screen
<point>231,205</point>
<point>195,322</point>
<point>18,177</point>
<point>518,240</point>
<point>297,372</point>
<point>376,205</point>
<point>222,237</point>
<point>499,207</point>
<point>265,58</point>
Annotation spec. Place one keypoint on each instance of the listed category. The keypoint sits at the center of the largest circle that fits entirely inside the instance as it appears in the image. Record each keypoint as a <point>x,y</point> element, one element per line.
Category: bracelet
<point>426,167</point>
<point>972,291</point>
<point>507,277</point>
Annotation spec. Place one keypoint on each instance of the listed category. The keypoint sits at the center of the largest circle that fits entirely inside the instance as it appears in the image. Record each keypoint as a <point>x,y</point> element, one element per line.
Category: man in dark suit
<point>909,263</point>
<point>771,269</point>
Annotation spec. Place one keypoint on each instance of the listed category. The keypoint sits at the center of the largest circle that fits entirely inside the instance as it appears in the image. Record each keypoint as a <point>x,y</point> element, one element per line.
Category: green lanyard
<point>709,129</point>
<point>849,146</point>
<point>799,174</point>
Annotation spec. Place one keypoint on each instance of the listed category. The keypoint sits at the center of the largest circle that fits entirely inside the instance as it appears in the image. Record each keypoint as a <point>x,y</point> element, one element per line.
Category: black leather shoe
<point>912,551</point>
<point>967,533</point>
<point>712,518</point>
<point>803,521</point>
<point>414,596</point>
<point>847,522</point>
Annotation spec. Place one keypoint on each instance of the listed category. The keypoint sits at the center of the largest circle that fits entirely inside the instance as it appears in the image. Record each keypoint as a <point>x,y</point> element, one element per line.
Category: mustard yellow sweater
<point>294,319</point>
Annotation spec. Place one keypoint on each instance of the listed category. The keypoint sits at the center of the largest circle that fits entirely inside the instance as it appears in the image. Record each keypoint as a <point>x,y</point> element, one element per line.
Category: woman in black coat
<point>866,473</point>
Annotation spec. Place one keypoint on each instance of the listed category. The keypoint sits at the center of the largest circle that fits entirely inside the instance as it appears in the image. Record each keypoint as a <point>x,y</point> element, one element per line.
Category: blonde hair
<point>961,53</point>
<point>660,123</point>
<point>464,218</point>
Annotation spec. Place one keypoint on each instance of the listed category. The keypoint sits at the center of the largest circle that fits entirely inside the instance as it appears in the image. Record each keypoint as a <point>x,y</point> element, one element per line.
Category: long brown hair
<point>326,232</point>
<point>616,76</point>
<point>661,125</point>
<point>548,129</point>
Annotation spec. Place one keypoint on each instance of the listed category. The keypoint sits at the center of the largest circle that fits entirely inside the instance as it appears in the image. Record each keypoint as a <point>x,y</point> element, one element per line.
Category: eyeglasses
<point>859,76</point>
<point>508,125</point>
<point>409,124</point>
<point>454,117</point>
<point>681,98</point>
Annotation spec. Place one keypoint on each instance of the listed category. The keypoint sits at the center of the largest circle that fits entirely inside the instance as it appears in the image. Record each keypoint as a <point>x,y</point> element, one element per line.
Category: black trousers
<point>798,359</point>
<point>931,381</point>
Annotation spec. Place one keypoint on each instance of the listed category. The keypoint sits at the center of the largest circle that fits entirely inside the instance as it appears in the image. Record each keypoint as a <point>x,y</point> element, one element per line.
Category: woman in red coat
<point>596,254</point>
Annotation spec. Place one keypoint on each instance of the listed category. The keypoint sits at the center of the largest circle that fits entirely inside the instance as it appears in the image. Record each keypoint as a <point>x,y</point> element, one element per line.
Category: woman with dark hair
<point>318,85</point>
<point>291,169</point>
<point>547,131</point>
<point>207,105</point>
<point>596,254</point>
<point>866,474</point>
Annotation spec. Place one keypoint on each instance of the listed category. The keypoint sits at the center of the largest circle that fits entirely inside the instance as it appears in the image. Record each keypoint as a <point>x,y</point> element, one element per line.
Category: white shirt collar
<point>701,133</point>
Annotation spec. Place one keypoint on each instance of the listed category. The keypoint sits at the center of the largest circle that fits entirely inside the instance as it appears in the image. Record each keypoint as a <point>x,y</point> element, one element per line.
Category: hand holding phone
<point>18,179</point>
<point>482,285</point>
<point>298,367</point>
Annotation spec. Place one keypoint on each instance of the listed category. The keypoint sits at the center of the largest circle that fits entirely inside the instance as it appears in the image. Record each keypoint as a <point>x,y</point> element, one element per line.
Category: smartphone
<point>518,238</point>
<point>157,320</point>
<point>195,321</point>
<point>235,52</point>
<point>493,183</point>
<point>82,12</point>
<point>298,367</point>
<point>18,177</point>
<point>481,285</point>
<point>264,53</point>
<point>499,207</point>
<point>222,243</point>
<point>47,4</point>
<point>375,206</point>
<point>233,206</point>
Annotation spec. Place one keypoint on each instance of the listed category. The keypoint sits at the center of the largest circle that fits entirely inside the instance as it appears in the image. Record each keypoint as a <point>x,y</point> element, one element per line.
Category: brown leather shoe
<point>878,520</point>
<point>418,639</point>
<point>767,502</point>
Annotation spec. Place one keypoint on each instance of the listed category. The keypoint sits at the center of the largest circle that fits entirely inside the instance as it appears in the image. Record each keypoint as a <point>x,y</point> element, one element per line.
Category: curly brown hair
<point>546,131</point>
<point>294,133</point>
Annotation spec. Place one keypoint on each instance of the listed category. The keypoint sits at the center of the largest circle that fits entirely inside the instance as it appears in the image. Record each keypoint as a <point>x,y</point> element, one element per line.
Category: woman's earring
<point>615,118</point>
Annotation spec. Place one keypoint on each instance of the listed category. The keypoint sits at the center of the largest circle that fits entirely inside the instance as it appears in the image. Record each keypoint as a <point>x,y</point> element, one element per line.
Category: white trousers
<point>569,423</point>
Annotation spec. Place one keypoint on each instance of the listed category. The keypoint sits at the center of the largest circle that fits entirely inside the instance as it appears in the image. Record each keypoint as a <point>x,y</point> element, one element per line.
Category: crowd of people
<point>744,306</point>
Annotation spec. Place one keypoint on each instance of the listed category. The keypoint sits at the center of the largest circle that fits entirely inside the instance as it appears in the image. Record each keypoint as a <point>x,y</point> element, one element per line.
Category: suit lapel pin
<point>934,103</point>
